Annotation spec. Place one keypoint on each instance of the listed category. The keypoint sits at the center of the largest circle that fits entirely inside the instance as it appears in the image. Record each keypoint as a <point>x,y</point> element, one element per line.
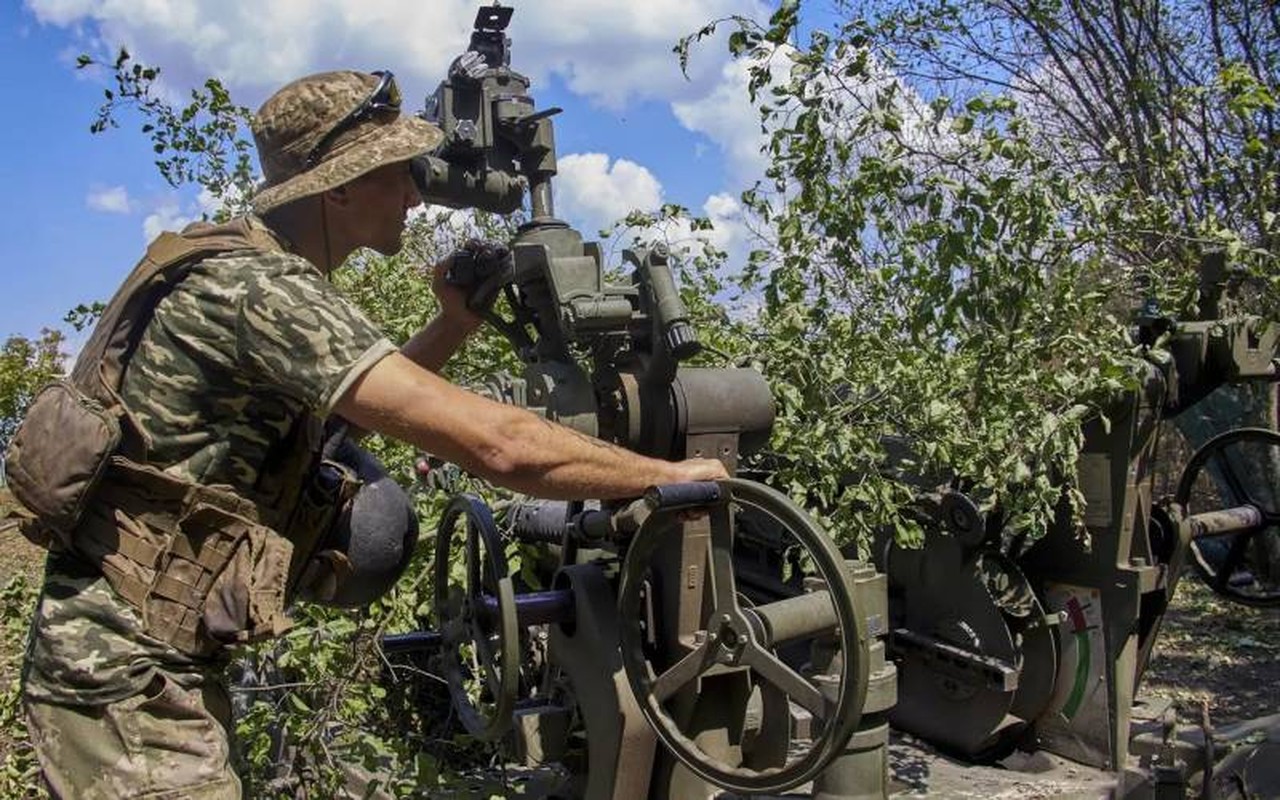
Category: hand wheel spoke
<point>491,677</point>
<point>484,644</point>
<point>455,631</point>
<point>1235,557</point>
<point>725,587</point>
<point>685,670</point>
<point>786,680</point>
<point>1229,476</point>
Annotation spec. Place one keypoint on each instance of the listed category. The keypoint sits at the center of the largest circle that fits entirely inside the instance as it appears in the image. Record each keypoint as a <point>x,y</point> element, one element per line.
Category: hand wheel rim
<point>480,525</point>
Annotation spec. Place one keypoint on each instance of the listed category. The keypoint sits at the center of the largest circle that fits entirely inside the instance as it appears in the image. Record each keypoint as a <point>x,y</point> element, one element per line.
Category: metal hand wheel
<point>736,637</point>
<point>476,612</point>
<point>1228,548</point>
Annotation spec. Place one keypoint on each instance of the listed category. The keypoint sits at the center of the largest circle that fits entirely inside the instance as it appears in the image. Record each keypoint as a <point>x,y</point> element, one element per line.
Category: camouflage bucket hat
<point>324,130</point>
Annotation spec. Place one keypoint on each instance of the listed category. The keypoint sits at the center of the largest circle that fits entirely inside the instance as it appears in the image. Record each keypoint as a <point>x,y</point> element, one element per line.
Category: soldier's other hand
<point>453,298</point>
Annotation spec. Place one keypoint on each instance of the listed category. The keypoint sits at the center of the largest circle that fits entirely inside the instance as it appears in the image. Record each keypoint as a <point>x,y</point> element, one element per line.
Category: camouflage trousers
<point>164,743</point>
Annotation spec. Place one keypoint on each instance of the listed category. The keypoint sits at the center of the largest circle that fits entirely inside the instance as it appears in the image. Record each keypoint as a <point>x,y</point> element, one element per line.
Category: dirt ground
<point>17,555</point>
<point>1211,650</point>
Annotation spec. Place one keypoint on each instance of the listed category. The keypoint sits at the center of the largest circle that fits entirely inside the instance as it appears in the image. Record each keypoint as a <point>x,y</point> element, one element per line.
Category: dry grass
<point>19,560</point>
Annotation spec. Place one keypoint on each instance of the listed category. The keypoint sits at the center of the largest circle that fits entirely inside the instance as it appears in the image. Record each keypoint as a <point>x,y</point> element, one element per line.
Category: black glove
<point>482,268</point>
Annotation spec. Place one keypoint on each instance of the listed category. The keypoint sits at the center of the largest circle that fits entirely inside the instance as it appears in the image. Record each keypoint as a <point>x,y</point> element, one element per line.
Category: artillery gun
<point>631,624</point>
<point>743,642</point>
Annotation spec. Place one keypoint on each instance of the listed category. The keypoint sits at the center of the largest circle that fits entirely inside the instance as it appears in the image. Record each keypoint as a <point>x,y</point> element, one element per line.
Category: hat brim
<point>399,140</point>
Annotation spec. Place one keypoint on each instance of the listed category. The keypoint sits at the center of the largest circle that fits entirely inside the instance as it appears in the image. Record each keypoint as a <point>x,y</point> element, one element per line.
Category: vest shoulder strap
<point>169,258</point>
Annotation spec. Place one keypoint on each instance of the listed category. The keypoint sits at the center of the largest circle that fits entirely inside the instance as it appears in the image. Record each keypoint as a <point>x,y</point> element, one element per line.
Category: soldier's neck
<point>312,234</point>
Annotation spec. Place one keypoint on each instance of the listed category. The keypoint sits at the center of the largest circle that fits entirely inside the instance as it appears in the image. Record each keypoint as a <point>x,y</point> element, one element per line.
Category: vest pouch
<point>327,492</point>
<point>58,456</point>
<point>246,601</point>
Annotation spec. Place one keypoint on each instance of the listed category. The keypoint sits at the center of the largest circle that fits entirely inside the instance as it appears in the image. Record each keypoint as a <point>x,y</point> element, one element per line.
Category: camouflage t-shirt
<point>248,343</point>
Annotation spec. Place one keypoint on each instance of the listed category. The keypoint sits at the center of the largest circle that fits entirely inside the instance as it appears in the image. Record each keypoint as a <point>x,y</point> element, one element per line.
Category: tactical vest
<point>204,566</point>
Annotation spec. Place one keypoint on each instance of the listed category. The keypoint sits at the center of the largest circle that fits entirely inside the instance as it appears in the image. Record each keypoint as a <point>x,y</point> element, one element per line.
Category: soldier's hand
<point>702,469</point>
<point>453,298</point>
<point>480,268</point>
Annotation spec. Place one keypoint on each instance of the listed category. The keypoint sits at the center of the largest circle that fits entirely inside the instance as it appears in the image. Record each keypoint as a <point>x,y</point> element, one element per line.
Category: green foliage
<point>84,315</point>
<point>1166,111</point>
<point>940,299</point>
<point>25,366</point>
<point>199,143</point>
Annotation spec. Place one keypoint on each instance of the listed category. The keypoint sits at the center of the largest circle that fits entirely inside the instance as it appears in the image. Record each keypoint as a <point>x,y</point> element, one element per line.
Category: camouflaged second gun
<point>1041,643</point>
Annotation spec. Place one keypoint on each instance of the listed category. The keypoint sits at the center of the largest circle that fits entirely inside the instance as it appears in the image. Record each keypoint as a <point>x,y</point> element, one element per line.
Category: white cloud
<point>593,192</point>
<point>729,231</point>
<point>175,212</point>
<point>613,51</point>
<point>169,216</point>
<point>109,200</point>
<point>725,115</point>
<point>609,51</point>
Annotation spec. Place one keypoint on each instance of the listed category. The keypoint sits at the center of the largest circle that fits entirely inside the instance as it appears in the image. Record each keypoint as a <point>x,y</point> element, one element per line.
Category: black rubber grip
<point>683,495</point>
<point>542,521</point>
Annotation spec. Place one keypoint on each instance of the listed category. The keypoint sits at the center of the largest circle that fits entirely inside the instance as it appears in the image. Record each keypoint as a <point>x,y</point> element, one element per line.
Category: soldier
<point>191,540</point>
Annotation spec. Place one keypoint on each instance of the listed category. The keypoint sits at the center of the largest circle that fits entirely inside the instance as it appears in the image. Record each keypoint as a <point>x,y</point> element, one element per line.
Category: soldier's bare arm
<point>505,444</point>
<point>440,338</point>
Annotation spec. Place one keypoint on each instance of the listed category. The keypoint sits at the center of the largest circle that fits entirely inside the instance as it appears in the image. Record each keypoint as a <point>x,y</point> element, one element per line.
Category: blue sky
<point>78,208</point>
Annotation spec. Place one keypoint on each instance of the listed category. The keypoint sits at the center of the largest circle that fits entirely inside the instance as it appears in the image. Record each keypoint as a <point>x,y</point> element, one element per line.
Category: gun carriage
<point>743,641</point>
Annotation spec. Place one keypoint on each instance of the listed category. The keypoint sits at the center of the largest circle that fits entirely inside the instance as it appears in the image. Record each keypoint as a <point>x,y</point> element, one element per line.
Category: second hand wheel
<point>1244,464</point>
<point>477,619</point>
